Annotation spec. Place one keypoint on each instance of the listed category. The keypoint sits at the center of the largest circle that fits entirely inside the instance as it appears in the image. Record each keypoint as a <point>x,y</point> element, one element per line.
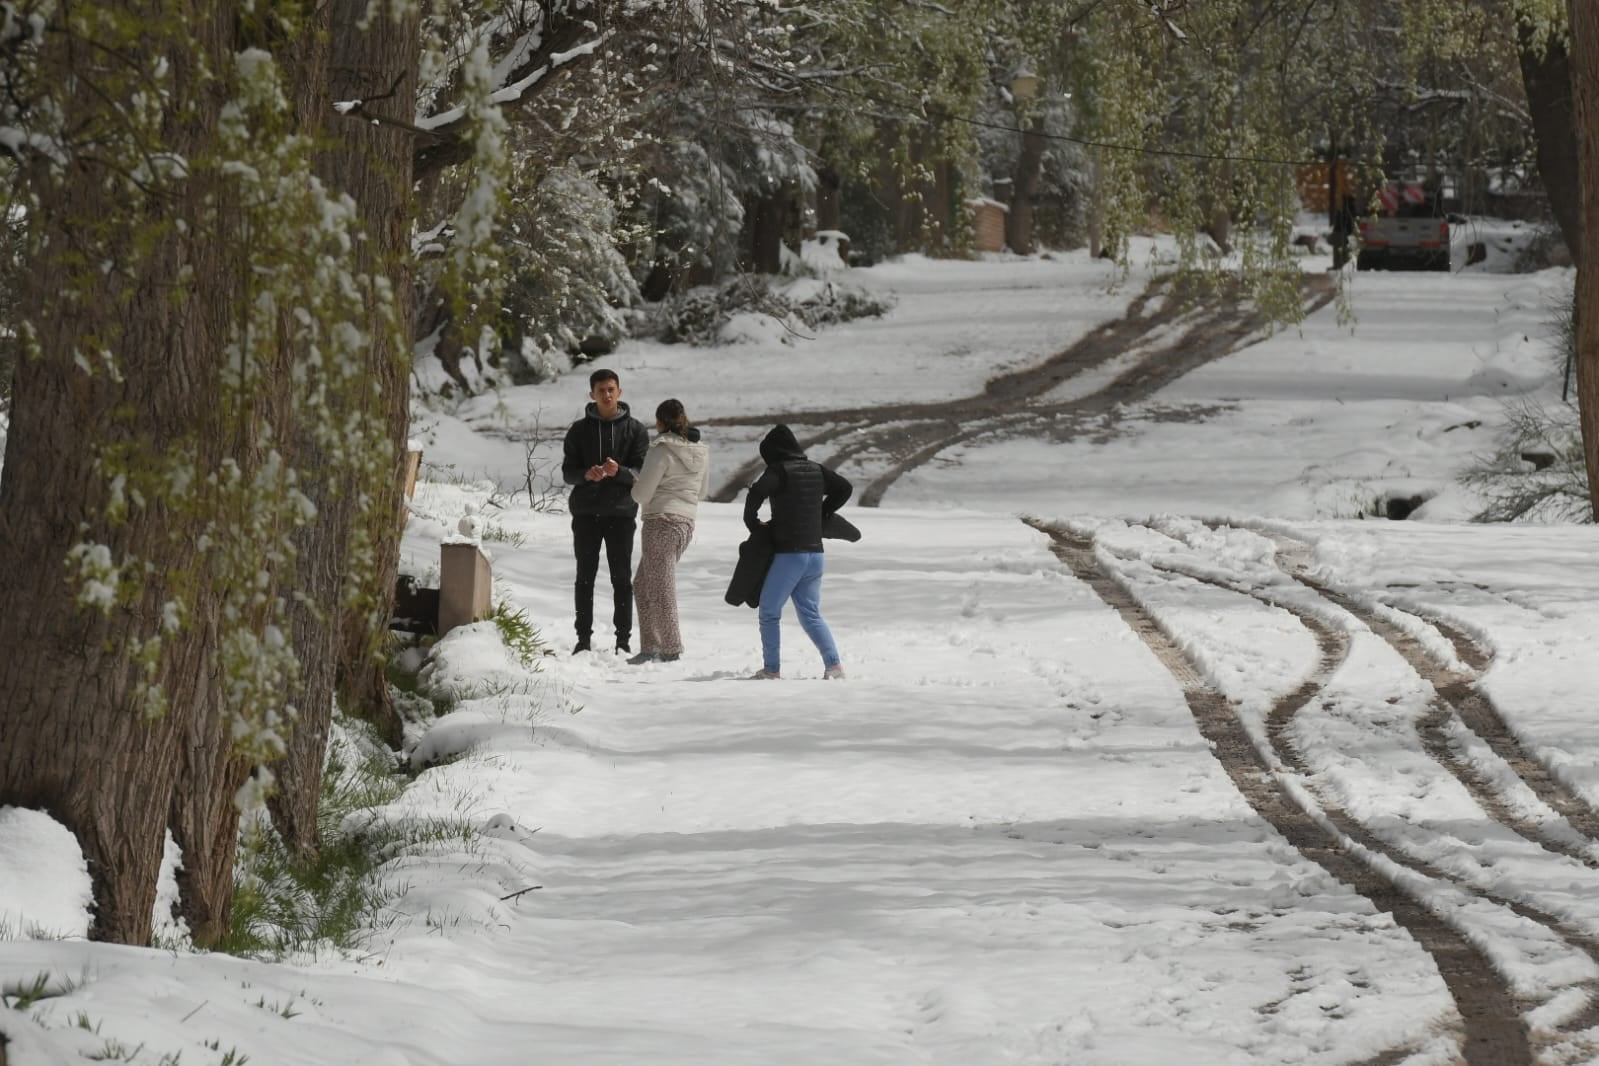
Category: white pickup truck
<point>1408,232</point>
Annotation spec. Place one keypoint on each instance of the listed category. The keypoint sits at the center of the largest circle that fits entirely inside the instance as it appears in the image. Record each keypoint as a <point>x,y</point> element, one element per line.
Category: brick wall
<point>988,226</point>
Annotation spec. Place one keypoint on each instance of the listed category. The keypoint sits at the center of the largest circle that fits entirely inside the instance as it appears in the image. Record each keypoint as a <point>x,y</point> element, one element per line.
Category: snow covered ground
<point>1012,835</point>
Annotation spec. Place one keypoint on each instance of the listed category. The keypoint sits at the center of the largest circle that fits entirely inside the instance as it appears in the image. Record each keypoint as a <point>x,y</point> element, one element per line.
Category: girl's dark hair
<point>670,414</point>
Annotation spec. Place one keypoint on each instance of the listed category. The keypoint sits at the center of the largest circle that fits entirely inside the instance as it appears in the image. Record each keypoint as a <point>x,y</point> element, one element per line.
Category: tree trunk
<point>890,194</point>
<point>204,820</point>
<point>1221,218</point>
<point>765,216</point>
<point>314,610</point>
<point>1340,207</point>
<point>912,228</point>
<point>205,815</point>
<point>793,233</point>
<point>1096,208</point>
<point>1585,92</point>
<point>75,740</point>
<point>940,207</point>
<point>829,206</point>
<point>1546,75</point>
<point>337,644</point>
<point>379,177</point>
<point>1029,168</point>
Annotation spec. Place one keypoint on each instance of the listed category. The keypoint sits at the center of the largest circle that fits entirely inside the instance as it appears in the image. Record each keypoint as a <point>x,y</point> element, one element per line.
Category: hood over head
<point>780,446</point>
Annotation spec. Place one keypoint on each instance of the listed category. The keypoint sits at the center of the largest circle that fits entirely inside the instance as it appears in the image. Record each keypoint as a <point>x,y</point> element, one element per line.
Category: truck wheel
<point>1371,261</point>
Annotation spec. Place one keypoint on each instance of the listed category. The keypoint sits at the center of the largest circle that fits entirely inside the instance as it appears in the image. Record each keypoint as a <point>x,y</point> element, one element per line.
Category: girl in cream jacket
<point>676,475</point>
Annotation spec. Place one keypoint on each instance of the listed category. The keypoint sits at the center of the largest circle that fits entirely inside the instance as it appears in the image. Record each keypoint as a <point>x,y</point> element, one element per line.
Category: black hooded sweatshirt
<point>590,442</point>
<point>802,494</point>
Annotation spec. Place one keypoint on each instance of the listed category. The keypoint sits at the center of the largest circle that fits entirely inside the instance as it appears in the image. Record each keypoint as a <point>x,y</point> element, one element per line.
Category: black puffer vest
<point>797,506</point>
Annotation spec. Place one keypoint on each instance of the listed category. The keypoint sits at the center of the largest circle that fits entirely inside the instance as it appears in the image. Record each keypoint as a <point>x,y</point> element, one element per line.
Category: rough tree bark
<point>74,741</point>
<point>204,819</point>
<point>1584,16</point>
<point>372,163</point>
<point>314,611</point>
<point>379,171</point>
<point>1546,77</point>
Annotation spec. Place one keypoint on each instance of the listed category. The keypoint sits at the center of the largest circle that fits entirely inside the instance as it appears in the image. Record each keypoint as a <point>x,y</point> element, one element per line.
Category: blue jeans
<point>796,576</point>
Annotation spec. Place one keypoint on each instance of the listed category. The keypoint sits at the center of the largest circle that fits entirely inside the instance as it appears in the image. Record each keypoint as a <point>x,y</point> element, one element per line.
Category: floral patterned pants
<point>666,538</point>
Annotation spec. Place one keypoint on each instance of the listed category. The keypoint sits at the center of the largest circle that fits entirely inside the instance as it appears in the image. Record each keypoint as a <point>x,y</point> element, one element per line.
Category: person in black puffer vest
<point>603,453</point>
<point>802,494</point>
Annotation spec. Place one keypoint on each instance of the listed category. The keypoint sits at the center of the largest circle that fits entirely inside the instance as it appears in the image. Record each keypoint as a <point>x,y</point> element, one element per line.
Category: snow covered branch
<point>529,66</point>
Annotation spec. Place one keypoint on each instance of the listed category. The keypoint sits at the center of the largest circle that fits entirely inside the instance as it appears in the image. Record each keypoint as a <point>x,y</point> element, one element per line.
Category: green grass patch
<point>499,534</point>
<point>285,905</point>
<point>22,994</point>
<point>518,633</point>
<point>233,1056</point>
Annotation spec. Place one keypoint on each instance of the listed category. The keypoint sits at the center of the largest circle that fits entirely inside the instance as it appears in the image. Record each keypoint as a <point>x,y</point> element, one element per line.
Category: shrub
<point>1536,471</point>
<point>698,316</point>
<point>283,904</point>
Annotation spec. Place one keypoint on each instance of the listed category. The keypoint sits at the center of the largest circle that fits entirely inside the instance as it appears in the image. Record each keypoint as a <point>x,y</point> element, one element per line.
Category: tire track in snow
<point>1473,709</point>
<point>1333,645</point>
<point>1167,327</point>
<point>1433,727</point>
<point>1460,700</point>
<point>1494,1033</point>
<point>898,432</point>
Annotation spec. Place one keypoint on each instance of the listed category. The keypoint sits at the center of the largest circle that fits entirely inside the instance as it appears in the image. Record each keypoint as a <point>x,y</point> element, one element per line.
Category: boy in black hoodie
<point>603,453</point>
<point>803,495</point>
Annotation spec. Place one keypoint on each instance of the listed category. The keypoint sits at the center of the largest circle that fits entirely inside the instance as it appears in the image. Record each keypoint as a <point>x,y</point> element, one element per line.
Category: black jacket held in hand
<point>803,494</point>
<point>590,442</point>
<point>755,559</point>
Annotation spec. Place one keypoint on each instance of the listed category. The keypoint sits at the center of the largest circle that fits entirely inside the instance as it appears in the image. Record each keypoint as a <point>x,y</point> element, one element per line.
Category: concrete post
<point>465,586</point>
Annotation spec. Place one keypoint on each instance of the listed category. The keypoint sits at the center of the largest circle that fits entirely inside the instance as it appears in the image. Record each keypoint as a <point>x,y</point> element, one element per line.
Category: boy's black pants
<point>615,534</point>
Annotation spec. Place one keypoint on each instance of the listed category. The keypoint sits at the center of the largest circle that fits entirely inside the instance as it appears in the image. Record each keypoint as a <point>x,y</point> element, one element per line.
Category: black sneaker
<point>622,648</point>
<point>581,647</point>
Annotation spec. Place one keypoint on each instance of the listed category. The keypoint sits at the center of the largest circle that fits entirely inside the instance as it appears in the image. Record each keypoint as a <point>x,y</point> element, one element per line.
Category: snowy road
<point>1230,779</point>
